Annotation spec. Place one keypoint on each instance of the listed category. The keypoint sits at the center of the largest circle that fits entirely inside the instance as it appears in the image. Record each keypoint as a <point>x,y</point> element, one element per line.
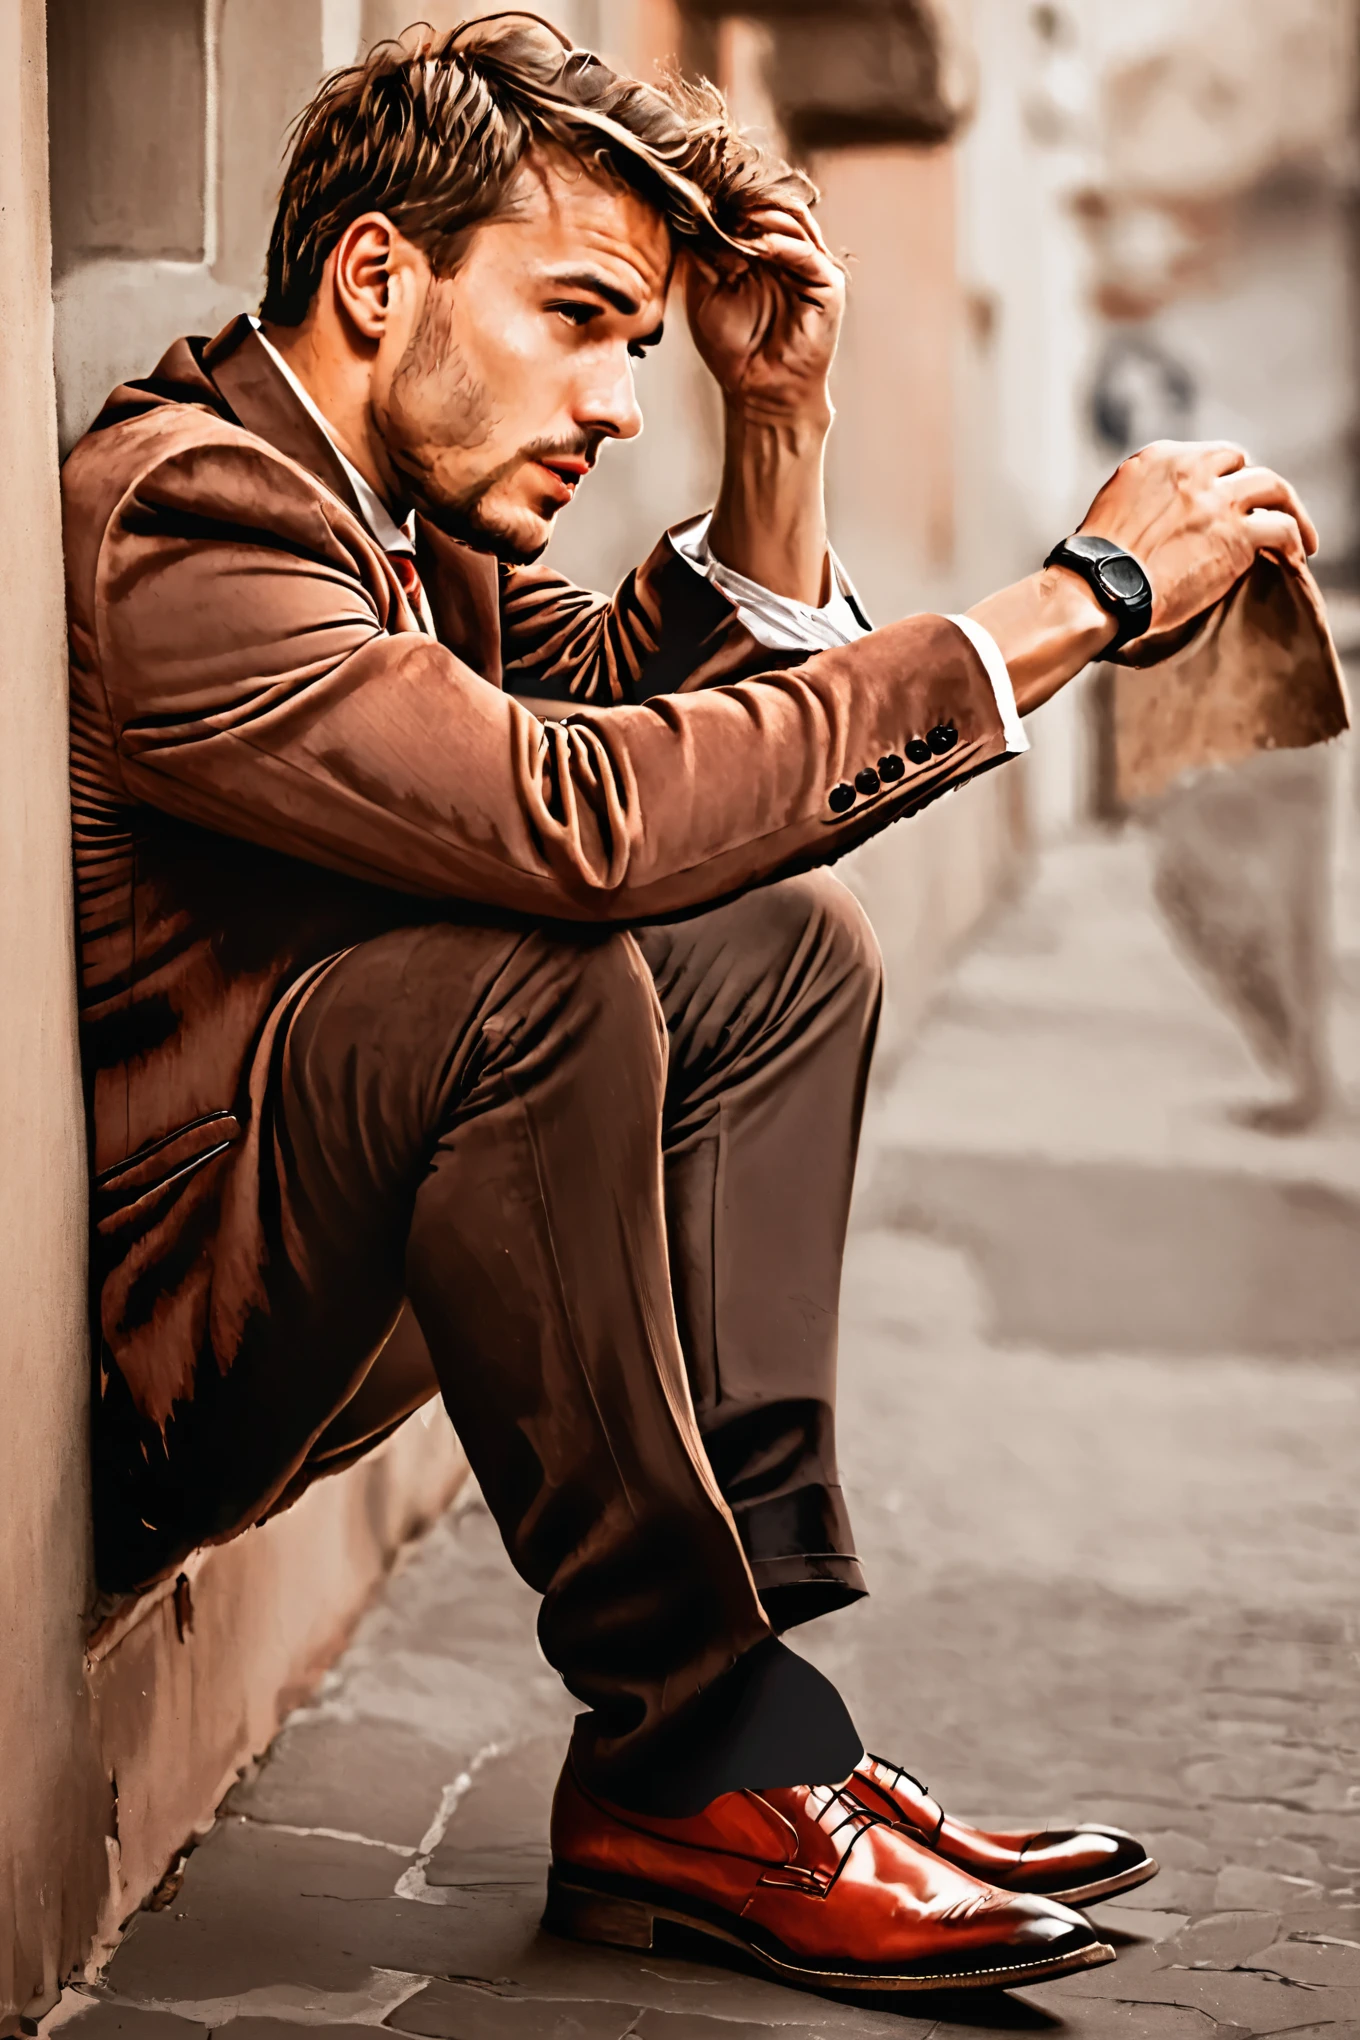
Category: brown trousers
<point>611,1173</point>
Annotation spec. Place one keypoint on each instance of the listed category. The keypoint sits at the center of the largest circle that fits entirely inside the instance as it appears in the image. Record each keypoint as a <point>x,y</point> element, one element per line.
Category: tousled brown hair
<point>431,130</point>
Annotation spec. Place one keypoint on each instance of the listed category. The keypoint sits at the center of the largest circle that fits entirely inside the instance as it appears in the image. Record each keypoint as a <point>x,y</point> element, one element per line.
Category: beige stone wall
<point>188,1685</point>
<point>168,125</point>
<point>51,1819</point>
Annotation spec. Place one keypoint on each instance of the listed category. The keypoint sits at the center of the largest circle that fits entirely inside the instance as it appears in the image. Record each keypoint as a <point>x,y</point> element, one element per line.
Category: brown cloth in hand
<point>1257,672</point>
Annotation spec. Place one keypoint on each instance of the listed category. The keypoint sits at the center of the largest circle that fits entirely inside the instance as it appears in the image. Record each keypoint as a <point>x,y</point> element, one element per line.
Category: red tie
<point>404,567</point>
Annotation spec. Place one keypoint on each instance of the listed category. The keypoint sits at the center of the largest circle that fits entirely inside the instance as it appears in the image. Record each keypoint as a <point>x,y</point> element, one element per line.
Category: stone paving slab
<point>101,2021</point>
<point>1106,1585</point>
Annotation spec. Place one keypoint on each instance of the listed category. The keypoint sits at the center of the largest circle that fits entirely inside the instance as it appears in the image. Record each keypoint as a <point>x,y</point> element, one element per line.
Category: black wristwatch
<point>1114,578</point>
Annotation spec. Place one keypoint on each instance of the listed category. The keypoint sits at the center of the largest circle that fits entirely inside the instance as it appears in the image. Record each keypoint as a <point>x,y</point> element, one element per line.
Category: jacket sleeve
<point>665,629</point>
<point>256,687</point>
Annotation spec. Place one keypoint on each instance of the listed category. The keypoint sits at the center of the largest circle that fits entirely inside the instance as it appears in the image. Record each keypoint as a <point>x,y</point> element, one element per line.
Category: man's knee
<point>592,995</point>
<point>608,984</point>
<point>844,930</point>
<point>816,922</point>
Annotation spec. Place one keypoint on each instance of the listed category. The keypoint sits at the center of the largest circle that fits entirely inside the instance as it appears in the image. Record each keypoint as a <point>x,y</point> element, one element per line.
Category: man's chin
<point>515,538</point>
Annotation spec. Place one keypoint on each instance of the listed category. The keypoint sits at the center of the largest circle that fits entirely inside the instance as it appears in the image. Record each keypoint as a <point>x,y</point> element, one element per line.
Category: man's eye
<point>576,315</point>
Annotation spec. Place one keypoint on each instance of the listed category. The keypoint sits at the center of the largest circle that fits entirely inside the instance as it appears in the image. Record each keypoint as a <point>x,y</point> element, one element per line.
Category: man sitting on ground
<point>455,938</point>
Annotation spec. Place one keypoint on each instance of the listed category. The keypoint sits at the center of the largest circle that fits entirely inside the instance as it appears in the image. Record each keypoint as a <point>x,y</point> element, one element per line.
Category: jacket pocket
<point>165,1163</point>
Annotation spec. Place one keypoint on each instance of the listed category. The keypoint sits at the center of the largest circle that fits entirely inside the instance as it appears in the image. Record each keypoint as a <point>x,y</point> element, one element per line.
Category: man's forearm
<point>769,522</point>
<point>1047,627</point>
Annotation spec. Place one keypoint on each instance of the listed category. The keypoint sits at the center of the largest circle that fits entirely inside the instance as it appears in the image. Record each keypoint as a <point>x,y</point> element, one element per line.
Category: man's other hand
<point>766,328</point>
<point>1195,515</point>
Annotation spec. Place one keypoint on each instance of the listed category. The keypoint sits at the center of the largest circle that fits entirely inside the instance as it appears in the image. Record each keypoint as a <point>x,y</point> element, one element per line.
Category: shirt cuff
<point>778,622</point>
<point>782,624</point>
<point>989,651</point>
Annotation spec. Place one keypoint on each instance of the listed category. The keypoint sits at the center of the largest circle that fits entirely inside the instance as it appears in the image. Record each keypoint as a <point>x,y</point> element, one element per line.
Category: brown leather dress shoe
<point>809,1882</point>
<point>1074,1866</point>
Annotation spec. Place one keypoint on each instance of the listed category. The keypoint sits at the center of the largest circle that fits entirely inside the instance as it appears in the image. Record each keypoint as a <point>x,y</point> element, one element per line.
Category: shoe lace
<point>899,1775</point>
<point>857,1815</point>
<point>840,1810</point>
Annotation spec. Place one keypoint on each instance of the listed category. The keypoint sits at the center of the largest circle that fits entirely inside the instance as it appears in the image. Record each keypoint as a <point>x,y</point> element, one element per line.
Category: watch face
<point>1123,578</point>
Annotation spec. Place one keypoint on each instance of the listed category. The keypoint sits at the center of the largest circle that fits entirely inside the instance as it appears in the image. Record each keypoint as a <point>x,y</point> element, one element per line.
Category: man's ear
<point>362,263</point>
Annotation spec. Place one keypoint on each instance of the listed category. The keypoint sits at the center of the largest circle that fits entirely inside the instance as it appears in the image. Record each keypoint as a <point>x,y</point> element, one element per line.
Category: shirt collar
<point>391,536</point>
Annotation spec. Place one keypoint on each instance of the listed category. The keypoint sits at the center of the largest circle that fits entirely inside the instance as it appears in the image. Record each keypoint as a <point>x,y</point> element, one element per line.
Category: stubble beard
<point>467,420</point>
<point>484,527</point>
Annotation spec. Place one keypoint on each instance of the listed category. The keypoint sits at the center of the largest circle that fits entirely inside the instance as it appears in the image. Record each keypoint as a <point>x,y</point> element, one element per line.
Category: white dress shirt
<point>786,625</point>
<point>777,621</point>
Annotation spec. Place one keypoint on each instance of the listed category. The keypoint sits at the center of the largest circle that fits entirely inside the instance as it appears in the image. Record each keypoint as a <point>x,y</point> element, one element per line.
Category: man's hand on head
<point>766,327</point>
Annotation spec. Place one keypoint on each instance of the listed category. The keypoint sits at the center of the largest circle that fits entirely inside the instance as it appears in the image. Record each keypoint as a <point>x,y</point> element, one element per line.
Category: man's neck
<point>338,386</point>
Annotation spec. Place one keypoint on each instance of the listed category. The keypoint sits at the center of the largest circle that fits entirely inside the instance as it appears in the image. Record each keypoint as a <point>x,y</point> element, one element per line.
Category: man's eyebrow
<point>585,279</point>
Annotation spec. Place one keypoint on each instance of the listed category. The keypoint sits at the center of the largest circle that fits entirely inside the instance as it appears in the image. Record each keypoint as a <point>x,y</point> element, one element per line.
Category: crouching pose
<point>458,948</point>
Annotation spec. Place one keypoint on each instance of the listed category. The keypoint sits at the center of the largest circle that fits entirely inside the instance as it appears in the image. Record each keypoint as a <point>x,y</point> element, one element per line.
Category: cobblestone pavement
<point>1100,1426</point>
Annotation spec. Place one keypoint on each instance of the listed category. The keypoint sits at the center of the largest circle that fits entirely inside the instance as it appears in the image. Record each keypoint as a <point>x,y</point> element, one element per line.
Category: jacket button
<point>919,752</point>
<point>891,768</point>
<point>942,738</point>
<point>866,782</point>
<point>840,798</point>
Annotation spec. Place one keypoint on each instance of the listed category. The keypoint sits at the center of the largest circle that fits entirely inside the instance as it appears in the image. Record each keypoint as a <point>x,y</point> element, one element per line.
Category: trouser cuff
<point>801,1552</point>
<point>794,1590</point>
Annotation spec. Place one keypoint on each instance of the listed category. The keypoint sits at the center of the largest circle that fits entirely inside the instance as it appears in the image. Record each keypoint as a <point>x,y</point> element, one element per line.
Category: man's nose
<point>609,404</point>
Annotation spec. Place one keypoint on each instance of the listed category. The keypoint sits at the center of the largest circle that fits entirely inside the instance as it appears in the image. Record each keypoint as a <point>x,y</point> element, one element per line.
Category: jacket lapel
<point>261,400</point>
<point>462,586</point>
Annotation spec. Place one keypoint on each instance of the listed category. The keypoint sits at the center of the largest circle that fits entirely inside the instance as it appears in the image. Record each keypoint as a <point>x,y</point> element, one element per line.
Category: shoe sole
<point>582,1911</point>
<point>1107,1887</point>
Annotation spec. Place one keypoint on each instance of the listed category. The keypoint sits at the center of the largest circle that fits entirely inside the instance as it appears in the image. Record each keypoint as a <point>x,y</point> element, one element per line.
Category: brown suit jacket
<point>271,761</point>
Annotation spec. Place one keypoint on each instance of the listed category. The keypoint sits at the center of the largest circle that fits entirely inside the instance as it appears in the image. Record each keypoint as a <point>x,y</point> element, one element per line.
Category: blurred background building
<point>1070,227</point>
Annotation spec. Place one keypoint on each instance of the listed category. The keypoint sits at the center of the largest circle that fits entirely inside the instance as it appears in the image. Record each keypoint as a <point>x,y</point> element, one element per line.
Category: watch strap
<point>1125,594</point>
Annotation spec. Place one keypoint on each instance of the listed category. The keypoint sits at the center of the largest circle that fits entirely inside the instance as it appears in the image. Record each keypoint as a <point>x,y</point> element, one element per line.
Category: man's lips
<point>563,473</point>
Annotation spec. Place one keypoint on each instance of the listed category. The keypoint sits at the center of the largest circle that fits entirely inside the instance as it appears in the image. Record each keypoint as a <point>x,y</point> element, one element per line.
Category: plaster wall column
<point>890,212</point>
<point>53,1800</point>
<point>264,67</point>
